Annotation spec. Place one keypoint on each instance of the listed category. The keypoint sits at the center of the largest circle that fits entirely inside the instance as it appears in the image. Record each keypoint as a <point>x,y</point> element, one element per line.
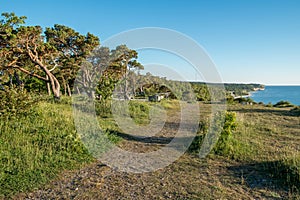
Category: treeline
<point>242,89</point>
<point>48,61</point>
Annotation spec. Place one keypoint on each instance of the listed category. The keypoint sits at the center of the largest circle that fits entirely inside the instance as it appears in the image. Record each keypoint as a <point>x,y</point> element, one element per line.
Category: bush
<point>224,124</point>
<point>269,105</point>
<point>15,101</point>
<point>139,111</point>
<point>283,104</point>
<point>224,145</point>
<point>103,108</point>
<point>202,130</point>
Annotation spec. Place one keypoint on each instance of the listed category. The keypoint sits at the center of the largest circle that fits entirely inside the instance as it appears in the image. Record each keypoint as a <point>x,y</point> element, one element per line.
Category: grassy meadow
<point>38,147</point>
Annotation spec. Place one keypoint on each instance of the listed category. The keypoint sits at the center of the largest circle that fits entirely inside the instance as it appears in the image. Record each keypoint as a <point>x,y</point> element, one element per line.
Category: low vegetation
<point>283,104</point>
<point>36,147</point>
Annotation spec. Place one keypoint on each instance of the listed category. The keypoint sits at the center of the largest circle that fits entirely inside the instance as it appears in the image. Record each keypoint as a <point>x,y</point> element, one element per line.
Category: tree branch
<point>31,74</point>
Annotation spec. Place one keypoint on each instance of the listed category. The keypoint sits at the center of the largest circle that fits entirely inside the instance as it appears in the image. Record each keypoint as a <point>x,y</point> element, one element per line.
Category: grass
<point>269,136</point>
<point>35,148</point>
<point>265,137</point>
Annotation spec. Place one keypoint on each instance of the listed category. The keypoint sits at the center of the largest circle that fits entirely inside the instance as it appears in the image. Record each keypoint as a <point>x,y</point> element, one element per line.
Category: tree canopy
<point>55,55</point>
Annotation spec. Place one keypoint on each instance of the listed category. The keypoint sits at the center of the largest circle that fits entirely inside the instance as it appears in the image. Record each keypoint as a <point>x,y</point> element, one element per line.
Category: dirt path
<point>187,178</point>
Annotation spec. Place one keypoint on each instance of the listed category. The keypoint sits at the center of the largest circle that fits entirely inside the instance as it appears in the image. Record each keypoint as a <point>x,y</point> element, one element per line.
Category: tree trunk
<point>48,86</point>
<point>78,91</point>
<point>69,90</point>
<point>126,96</point>
<point>64,85</point>
<point>55,86</point>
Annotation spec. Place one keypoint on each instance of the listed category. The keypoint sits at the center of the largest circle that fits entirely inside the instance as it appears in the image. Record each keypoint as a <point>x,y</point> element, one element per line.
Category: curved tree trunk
<point>48,87</point>
<point>55,86</point>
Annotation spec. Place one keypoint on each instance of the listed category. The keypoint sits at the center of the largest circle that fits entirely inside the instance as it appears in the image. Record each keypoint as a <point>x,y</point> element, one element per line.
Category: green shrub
<point>269,105</point>
<point>223,125</point>
<point>103,108</point>
<point>224,145</point>
<point>139,111</point>
<point>15,101</point>
<point>202,130</point>
<point>283,104</point>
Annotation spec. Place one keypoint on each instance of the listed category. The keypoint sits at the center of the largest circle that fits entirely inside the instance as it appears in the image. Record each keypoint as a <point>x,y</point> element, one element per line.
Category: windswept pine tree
<point>50,56</point>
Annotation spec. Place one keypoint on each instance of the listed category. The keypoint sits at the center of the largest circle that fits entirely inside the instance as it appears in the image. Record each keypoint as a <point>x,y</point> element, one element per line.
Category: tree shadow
<point>142,139</point>
<point>268,175</point>
<point>269,111</point>
<point>159,138</point>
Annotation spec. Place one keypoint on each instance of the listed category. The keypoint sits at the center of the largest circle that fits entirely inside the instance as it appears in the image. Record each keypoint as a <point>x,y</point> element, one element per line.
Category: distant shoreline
<point>278,93</point>
<point>250,93</point>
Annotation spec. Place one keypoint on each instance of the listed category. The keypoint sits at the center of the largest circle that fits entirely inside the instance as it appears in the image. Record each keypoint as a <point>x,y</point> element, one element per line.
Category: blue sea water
<point>274,94</point>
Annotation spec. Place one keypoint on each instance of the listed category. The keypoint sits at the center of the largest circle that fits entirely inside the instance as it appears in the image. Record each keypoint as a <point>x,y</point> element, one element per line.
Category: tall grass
<point>36,147</point>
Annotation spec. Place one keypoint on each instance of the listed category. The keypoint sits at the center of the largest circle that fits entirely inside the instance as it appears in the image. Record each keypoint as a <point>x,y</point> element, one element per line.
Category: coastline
<point>250,93</point>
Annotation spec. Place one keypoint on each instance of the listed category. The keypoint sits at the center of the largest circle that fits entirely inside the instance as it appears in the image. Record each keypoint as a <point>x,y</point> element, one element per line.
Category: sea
<point>274,94</point>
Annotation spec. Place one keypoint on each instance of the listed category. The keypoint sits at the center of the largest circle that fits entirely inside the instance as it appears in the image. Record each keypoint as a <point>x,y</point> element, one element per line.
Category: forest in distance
<point>42,155</point>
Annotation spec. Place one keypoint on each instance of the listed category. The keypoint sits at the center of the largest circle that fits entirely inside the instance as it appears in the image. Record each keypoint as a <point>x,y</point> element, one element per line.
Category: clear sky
<point>248,40</point>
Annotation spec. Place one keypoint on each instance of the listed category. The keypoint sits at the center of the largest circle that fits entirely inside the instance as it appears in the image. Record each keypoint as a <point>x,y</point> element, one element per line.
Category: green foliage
<point>35,148</point>
<point>269,105</point>
<point>201,91</point>
<point>197,142</point>
<point>15,101</point>
<point>283,104</point>
<point>225,123</point>
<point>243,100</point>
<point>53,56</point>
<point>224,146</point>
<point>241,89</point>
<point>139,111</point>
<point>35,85</point>
<point>105,87</point>
<point>103,108</point>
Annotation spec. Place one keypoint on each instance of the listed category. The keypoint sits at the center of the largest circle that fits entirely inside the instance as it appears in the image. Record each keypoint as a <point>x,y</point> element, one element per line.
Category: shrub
<point>224,144</point>
<point>223,125</point>
<point>202,130</point>
<point>15,101</point>
<point>139,111</point>
<point>269,105</point>
<point>283,104</point>
<point>103,108</point>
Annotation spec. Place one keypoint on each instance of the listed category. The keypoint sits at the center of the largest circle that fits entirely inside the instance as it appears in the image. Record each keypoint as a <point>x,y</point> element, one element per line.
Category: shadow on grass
<point>277,111</point>
<point>148,140</point>
<point>171,127</point>
<point>267,110</point>
<point>269,175</point>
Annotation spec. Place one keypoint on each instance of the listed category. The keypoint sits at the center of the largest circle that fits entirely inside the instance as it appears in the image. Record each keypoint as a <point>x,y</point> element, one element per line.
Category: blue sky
<point>248,40</point>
